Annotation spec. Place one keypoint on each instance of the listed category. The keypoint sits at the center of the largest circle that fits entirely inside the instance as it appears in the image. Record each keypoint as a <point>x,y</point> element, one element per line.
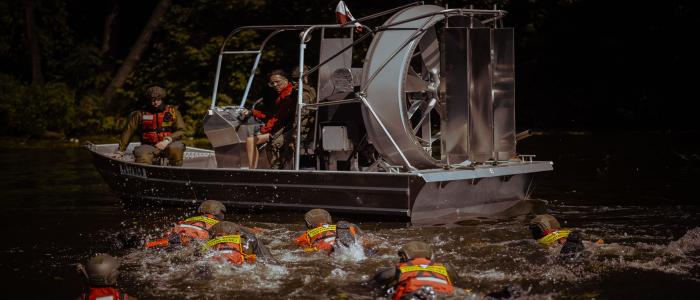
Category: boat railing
<point>305,32</point>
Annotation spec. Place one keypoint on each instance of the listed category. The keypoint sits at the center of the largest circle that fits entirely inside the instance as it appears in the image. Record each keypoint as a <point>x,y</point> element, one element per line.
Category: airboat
<point>423,127</point>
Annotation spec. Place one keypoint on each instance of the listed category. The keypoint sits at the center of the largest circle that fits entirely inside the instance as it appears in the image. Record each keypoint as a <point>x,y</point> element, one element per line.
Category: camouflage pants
<point>280,149</point>
<point>145,154</point>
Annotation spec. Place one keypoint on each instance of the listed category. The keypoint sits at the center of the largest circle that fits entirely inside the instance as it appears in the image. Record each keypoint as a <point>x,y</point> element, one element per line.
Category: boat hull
<point>418,195</point>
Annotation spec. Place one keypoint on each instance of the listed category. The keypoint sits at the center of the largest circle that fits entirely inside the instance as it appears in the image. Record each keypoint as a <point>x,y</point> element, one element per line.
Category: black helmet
<point>317,216</point>
<point>541,223</point>
<point>154,92</point>
<point>102,270</point>
<point>225,228</point>
<point>212,207</point>
<point>415,249</point>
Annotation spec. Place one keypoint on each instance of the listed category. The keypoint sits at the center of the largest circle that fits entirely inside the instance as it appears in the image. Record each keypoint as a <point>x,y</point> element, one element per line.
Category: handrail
<point>306,29</point>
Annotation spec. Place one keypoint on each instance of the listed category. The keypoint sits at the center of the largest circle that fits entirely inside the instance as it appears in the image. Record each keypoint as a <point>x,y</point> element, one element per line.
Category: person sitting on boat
<point>100,276</point>
<point>235,244</point>
<point>161,127</point>
<point>416,276</point>
<point>323,235</point>
<point>278,114</point>
<point>197,228</point>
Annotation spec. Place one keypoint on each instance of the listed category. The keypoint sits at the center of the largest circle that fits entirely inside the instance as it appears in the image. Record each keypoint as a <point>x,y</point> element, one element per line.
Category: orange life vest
<point>104,293</point>
<point>319,238</point>
<point>420,272</point>
<point>191,228</point>
<point>271,119</point>
<point>156,126</point>
<point>230,248</point>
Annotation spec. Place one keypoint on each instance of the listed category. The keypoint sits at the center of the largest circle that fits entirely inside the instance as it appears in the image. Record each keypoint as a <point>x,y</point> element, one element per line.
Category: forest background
<point>72,68</point>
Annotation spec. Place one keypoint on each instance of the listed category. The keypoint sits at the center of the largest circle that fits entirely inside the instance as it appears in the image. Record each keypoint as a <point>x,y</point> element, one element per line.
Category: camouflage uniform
<point>146,153</point>
<point>280,149</point>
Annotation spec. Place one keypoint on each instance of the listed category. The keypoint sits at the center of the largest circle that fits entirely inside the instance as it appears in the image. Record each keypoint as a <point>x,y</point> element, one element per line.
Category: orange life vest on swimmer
<point>420,272</point>
<point>104,293</point>
<point>230,248</point>
<point>191,228</point>
<point>319,238</point>
<point>156,126</point>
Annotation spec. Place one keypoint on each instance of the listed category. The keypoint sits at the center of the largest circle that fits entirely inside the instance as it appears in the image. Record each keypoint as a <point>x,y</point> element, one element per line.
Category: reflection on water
<point>57,211</point>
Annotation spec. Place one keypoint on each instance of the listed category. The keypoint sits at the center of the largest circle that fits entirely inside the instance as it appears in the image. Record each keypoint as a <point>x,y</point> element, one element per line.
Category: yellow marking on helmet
<point>204,219</point>
<point>234,239</point>
<point>554,236</point>
<point>435,269</point>
<point>310,249</point>
<point>318,230</point>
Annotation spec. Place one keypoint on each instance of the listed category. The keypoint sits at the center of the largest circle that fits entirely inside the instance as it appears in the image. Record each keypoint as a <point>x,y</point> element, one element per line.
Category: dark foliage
<point>581,64</point>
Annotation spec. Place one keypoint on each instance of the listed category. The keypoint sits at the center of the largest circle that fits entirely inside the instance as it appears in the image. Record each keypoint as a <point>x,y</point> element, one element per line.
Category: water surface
<point>635,191</point>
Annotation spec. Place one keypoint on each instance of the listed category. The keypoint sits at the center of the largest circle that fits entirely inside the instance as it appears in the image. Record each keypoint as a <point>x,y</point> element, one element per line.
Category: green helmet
<point>415,249</point>
<point>225,228</point>
<point>296,73</point>
<point>155,92</point>
<point>102,270</point>
<point>542,223</point>
<point>317,216</point>
<point>212,207</point>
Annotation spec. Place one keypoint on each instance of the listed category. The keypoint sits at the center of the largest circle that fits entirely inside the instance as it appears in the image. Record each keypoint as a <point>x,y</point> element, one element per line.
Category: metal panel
<point>387,64</point>
<point>480,98</point>
<point>329,47</point>
<point>456,99</point>
<point>503,93</point>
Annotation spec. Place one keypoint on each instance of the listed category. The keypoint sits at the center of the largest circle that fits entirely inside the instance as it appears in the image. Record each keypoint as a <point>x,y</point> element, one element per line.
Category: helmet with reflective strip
<point>317,216</point>
<point>102,270</point>
<point>212,207</point>
<point>415,249</point>
<point>225,228</point>
<point>154,92</point>
<point>543,223</point>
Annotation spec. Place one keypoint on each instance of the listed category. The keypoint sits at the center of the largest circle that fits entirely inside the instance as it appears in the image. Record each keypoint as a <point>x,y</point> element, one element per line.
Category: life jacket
<point>186,230</point>
<point>281,108</point>
<point>552,236</point>
<point>230,248</point>
<point>156,126</point>
<point>104,293</point>
<point>319,238</point>
<point>420,272</point>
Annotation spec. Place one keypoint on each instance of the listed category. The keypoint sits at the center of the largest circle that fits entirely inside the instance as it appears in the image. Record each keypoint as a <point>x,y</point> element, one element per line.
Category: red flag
<point>343,15</point>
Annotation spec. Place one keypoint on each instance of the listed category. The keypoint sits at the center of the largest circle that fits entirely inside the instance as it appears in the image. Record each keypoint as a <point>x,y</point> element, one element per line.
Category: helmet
<point>295,72</point>
<point>317,216</point>
<point>155,92</point>
<point>541,223</point>
<point>224,228</point>
<point>415,249</point>
<point>102,270</point>
<point>212,207</point>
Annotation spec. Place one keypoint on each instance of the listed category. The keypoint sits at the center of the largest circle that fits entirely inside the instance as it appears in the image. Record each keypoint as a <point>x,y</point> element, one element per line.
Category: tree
<point>109,23</point>
<point>32,41</point>
<point>136,50</point>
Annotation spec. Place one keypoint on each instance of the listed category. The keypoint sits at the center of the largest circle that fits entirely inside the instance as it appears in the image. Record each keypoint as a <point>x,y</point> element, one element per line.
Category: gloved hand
<point>243,114</point>
<point>118,154</point>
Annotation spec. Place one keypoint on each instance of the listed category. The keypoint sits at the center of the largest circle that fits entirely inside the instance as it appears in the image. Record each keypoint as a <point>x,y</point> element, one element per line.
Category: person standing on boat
<point>323,235</point>
<point>161,127</point>
<point>416,276</point>
<point>100,276</point>
<point>278,114</point>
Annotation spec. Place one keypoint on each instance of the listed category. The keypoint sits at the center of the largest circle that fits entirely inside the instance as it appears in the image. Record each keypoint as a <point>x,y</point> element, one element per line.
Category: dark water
<point>637,192</point>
